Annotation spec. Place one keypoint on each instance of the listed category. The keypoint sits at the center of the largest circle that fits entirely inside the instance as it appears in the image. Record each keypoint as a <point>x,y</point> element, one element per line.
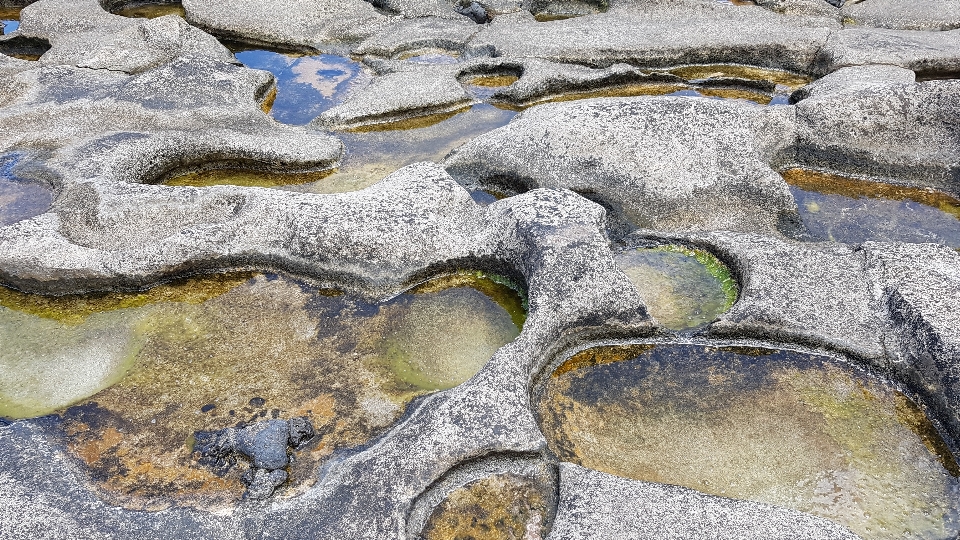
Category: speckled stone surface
<point>116,106</point>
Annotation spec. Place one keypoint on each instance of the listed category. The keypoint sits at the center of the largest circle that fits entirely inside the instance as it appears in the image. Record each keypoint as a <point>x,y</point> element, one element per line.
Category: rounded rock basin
<point>498,507</point>
<point>844,209</point>
<point>682,288</point>
<point>143,372</point>
<point>781,427</point>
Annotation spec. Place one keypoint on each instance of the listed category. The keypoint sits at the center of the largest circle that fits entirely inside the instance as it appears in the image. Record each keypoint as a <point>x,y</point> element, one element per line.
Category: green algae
<point>499,507</point>
<point>785,428</point>
<point>146,370</point>
<point>683,288</point>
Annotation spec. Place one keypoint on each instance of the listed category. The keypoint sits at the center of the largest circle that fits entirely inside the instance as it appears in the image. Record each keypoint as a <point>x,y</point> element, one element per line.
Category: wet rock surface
<point>253,401</point>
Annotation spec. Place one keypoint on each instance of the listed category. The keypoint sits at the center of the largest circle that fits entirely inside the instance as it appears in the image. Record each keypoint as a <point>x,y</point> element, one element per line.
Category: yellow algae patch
<point>499,507</point>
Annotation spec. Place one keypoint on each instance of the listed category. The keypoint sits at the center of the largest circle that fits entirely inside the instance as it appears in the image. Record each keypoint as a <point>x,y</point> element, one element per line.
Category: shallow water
<point>148,370</point>
<point>20,199</point>
<point>681,288</point>
<point>499,507</point>
<point>9,19</point>
<point>151,11</point>
<point>370,156</point>
<point>780,427</point>
<point>306,85</point>
<point>850,210</point>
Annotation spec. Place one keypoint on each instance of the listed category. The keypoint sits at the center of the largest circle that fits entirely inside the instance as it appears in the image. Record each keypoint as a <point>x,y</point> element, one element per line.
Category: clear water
<point>499,507</point>
<point>145,371</point>
<point>850,210</point>
<point>372,155</point>
<point>151,11</point>
<point>20,199</point>
<point>681,288</point>
<point>781,427</point>
<point>306,85</point>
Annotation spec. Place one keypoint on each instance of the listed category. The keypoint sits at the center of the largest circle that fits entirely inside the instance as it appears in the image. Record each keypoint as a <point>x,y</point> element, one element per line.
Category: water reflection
<point>682,288</point>
<point>148,370</point>
<point>20,199</point>
<point>306,85</point>
<point>850,210</point>
<point>372,155</point>
<point>9,19</point>
<point>780,427</point>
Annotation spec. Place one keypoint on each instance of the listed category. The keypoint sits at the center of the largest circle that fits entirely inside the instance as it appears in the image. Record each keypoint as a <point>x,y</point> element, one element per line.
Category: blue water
<point>306,85</point>
<point>10,26</point>
<point>20,199</point>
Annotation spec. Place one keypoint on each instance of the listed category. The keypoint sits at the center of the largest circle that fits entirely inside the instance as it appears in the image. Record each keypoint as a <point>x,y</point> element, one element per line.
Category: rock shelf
<point>693,175</point>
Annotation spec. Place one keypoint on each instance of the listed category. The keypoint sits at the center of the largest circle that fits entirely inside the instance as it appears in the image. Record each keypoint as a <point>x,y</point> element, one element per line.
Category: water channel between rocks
<point>843,209</point>
<point>780,427</point>
<point>371,155</point>
<point>150,10</point>
<point>143,372</point>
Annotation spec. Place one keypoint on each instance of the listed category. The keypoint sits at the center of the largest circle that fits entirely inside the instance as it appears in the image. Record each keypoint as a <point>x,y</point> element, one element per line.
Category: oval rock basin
<point>682,288</point>
<point>143,372</point>
<point>781,427</point>
<point>498,507</point>
<point>851,210</point>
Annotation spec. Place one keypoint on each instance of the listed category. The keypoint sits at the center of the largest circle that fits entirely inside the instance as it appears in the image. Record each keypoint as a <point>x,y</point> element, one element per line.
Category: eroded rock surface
<point>99,110</point>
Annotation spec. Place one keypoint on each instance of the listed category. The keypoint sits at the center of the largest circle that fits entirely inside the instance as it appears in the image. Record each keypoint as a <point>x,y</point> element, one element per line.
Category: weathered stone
<point>915,15</point>
<point>261,482</point>
<point>292,23</point>
<point>421,33</point>
<point>660,39</point>
<point>669,164</point>
<point>410,92</point>
<point>929,53</point>
<point>82,34</point>
<point>191,113</point>
<point>854,124</point>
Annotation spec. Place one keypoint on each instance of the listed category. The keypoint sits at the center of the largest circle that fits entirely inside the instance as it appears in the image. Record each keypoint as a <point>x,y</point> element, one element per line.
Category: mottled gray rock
<point>292,23</point>
<point>412,91</point>
<point>920,287</point>
<point>262,482</point>
<point>423,33</point>
<point>851,79</point>
<point>599,505</point>
<point>540,79</point>
<point>194,112</point>
<point>913,15</point>
<point>48,499</point>
<point>901,130</point>
<point>82,34</point>
<point>813,294</point>
<point>668,163</point>
<point>929,53</point>
<point>804,8</point>
<point>660,39</point>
